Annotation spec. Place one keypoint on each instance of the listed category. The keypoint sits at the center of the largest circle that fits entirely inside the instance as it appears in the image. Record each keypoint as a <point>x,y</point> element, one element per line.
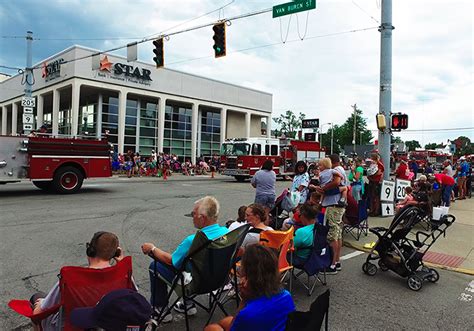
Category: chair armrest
<point>23,307</point>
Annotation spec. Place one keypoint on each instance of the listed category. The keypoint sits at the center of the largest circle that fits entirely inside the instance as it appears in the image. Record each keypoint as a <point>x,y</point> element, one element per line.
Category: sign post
<point>293,7</point>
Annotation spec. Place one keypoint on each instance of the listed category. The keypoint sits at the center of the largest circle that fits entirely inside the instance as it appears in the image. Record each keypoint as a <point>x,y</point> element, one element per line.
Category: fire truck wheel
<point>240,179</point>
<point>67,180</point>
<point>45,186</point>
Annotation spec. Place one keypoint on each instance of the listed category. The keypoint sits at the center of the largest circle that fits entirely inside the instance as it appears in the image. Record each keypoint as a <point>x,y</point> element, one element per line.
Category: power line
<point>275,44</point>
<point>433,130</point>
<point>362,9</point>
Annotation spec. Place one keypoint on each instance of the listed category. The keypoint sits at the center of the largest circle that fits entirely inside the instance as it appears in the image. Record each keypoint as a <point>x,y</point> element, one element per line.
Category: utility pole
<point>332,136</point>
<point>354,130</point>
<point>28,71</point>
<point>385,96</point>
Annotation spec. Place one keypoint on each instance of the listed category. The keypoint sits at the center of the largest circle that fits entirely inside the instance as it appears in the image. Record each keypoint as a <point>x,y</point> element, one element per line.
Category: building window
<point>177,131</point>
<point>210,133</point>
<point>148,126</point>
<point>110,117</point>
<point>87,124</point>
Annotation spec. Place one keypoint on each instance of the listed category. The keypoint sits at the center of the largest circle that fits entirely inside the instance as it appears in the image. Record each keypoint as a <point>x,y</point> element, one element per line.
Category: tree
<point>431,146</point>
<point>289,123</point>
<point>343,134</point>
<point>412,145</point>
<point>463,146</point>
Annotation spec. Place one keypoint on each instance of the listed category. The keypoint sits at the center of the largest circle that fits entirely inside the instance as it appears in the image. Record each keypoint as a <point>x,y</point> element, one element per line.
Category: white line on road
<point>351,255</point>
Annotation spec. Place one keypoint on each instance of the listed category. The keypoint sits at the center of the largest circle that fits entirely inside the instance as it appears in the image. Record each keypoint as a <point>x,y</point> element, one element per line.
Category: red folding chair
<point>81,287</point>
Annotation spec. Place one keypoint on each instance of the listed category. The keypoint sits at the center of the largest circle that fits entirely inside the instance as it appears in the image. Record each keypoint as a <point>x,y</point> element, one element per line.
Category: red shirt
<point>402,171</point>
<point>444,179</point>
<point>378,177</point>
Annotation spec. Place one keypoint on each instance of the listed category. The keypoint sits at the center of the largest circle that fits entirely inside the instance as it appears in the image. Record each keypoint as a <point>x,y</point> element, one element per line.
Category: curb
<point>434,265</point>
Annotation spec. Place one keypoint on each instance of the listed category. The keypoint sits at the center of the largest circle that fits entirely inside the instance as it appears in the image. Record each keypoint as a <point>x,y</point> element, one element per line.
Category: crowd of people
<point>324,196</point>
<point>162,165</point>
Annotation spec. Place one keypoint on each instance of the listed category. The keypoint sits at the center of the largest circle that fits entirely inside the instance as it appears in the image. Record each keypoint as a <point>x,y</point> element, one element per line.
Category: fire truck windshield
<point>235,149</point>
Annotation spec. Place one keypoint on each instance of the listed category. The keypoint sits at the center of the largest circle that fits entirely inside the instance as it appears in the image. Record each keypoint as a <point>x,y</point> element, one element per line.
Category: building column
<point>14,118</point>
<point>55,114</point>
<point>223,124</point>
<point>161,123</point>
<point>98,120</point>
<point>39,112</point>
<point>121,120</point>
<point>199,134</point>
<point>248,117</point>
<point>75,95</point>
<point>194,127</point>
<point>4,121</point>
<point>269,126</point>
<point>137,127</point>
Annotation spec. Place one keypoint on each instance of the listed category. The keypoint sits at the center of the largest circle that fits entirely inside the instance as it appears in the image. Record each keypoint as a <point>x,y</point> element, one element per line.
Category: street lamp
<point>332,133</point>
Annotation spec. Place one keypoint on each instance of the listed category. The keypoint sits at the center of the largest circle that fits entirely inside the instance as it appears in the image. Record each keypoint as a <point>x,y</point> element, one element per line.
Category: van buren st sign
<point>293,7</point>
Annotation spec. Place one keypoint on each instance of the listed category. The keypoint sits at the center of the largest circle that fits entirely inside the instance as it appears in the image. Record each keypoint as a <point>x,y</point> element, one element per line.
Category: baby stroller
<point>400,250</point>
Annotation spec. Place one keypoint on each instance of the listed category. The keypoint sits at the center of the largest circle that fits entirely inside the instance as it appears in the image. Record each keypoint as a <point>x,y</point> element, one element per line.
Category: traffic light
<point>219,39</point>
<point>399,121</point>
<point>159,57</point>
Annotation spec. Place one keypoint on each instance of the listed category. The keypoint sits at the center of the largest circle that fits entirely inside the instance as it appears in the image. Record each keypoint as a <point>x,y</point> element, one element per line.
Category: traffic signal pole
<point>385,94</point>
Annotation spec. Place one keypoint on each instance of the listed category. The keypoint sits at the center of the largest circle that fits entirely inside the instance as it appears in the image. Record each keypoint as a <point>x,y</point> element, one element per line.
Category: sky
<point>310,62</point>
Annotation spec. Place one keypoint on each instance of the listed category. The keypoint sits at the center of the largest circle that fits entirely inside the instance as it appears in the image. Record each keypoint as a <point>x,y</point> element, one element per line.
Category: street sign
<point>27,127</point>
<point>401,184</point>
<point>28,118</point>
<point>311,136</point>
<point>388,191</point>
<point>293,7</point>
<point>27,110</point>
<point>28,102</point>
<point>387,209</point>
<point>310,123</point>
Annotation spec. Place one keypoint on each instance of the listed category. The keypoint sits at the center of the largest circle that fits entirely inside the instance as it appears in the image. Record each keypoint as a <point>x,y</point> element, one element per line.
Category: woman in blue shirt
<point>265,306</point>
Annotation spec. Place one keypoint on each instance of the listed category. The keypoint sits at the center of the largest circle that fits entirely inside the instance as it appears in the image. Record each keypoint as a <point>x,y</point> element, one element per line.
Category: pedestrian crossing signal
<point>159,57</point>
<point>399,121</point>
<point>219,39</point>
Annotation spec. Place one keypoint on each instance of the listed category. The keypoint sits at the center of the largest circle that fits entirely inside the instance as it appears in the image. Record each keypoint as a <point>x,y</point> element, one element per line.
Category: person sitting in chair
<point>303,240</point>
<point>204,214</point>
<point>100,251</point>
<point>264,306</point>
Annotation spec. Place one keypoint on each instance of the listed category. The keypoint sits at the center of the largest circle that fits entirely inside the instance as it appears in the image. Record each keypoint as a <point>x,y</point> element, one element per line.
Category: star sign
<point>105,64</point>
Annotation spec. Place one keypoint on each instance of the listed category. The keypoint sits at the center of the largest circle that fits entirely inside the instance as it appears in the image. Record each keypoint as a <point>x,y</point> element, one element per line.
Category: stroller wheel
<point>369,268</point>
<point>434,276</point>
<point>415,283</point>
<point>382,266</point>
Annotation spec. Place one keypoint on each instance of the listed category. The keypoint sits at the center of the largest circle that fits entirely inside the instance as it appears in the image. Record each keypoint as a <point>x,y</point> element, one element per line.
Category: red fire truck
<point>53,164</point>
<point>243,157</point>
<point>434,157</point>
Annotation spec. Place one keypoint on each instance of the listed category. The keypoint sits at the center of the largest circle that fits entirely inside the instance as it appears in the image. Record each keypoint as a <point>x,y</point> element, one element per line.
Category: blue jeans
<point>159,289</point>
<point>446,195</point>
<point>265,200</point>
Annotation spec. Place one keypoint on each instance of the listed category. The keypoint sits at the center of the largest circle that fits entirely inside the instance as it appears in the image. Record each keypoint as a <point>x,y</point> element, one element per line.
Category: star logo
<point>105,64</point>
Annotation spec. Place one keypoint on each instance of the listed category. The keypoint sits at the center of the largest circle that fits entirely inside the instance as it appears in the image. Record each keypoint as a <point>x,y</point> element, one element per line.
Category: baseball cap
<point>117,311</point>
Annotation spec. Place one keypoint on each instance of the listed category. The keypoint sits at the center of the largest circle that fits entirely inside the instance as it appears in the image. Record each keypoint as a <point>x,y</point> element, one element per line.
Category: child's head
<point>241,213</point>
<point>325,163</point>
<point>408,190</point>
<point>315,198</point>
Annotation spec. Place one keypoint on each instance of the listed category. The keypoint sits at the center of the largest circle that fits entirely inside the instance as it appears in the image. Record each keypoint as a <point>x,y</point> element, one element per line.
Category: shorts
<point>265,200</point>
<point>333,219</point>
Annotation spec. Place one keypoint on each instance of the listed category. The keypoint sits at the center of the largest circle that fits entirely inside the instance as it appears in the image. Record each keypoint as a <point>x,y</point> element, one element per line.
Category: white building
<point>142,108</point>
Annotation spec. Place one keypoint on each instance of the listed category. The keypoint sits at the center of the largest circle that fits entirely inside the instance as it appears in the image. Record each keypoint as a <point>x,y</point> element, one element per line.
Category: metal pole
<point>332,136</point>
<point>29,64</point>
<point>354,130</point>
<point>385,97</point>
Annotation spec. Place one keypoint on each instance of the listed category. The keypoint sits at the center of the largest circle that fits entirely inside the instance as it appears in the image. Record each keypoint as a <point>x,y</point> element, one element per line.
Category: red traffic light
<point>399,121</point>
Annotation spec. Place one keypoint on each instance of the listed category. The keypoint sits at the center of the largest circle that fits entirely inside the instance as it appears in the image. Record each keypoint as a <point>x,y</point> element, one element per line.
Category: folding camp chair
<point>209,263</point>
<point>319,260</point>
<point>359,222</point>
<point>313,319</point>
<point>80,287</point>
<point>282,241</point>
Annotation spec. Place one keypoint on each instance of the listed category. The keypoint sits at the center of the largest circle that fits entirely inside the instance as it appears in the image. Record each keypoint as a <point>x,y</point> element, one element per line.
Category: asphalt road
<point>42,232</point>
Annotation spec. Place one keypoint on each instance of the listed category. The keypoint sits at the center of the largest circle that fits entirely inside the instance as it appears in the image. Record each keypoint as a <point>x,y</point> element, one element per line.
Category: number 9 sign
<point>388,191</point>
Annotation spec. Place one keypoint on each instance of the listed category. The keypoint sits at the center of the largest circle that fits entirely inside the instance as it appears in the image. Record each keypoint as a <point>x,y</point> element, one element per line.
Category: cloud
<point>322,76</point>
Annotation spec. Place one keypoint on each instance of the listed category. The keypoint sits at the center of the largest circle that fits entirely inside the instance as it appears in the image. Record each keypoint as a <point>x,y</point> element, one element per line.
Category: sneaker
<point>179,307</point>
<point>331,271</point>
<point>168,317</point>
<point>342,203</point>
<point>338,266</point>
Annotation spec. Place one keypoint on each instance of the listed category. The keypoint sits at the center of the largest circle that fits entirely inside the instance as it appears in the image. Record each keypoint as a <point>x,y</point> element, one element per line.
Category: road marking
<point>186,184</point>
<point>466,296</point>
<point>351,255</point>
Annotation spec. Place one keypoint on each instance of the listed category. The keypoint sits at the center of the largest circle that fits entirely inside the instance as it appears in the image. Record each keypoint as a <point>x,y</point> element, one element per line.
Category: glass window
<point>256,149</point>
<point>130,120</point>
<point>147,142</point>
<point>167,133</point>
<point>130,140</point>
<point>147,132</point>
<point>109,118</point>
<point>131,130</point>
<point>166,143</point>
<point>274,150</point>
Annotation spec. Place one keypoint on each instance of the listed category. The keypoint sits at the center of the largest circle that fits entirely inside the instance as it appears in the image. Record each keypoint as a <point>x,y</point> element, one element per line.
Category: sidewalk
<point>454,252</point>
<point>175,177</point>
